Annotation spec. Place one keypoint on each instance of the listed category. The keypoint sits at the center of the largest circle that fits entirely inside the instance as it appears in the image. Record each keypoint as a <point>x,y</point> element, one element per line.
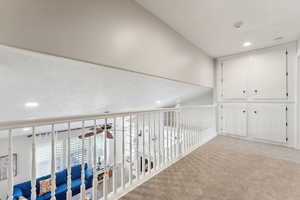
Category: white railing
<point>134,146</point>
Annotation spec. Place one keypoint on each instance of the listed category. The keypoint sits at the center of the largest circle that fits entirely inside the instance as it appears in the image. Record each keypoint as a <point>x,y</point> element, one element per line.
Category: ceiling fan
<point>99,130</point>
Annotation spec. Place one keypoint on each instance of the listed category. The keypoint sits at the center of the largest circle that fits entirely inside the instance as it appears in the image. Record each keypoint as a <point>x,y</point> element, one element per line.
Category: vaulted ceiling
<point>209,23</point>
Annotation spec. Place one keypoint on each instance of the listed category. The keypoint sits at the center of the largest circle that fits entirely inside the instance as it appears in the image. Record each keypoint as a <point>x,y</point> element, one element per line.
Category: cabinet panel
<point>267,122</point>
<point>267,78</point>
<point>234,73</point>
<point>234,119</point>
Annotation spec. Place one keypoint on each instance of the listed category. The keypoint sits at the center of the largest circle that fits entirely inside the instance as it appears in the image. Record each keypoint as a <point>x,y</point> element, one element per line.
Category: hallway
<point>227,169</point>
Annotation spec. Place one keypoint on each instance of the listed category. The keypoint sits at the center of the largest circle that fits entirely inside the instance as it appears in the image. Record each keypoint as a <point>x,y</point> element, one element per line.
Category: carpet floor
<point>219,170</point>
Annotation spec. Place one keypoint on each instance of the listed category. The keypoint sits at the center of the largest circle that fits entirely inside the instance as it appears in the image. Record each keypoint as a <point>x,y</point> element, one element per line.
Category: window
<point>43,157</point>
<point>43,153</point>
<point>76,151</point>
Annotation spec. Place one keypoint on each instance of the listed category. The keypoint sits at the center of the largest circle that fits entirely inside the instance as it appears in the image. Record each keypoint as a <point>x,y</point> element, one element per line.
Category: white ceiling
<point>65,87</point>
<point>209,23</point>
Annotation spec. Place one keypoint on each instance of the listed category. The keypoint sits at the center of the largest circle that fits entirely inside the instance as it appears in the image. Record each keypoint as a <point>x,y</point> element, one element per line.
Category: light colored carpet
<point>224,170</point>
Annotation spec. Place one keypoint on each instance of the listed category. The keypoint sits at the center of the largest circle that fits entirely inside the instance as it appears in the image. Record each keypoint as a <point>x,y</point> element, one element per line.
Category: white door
<point>268,75</point>
<point>234,119</point>
<point>268,122</point>
<point>234,77</point>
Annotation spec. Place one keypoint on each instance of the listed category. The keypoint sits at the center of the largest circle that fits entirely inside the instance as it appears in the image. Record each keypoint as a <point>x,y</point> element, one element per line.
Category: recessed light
<point>26,129</point>
<point>247,44</point>
<point>31,104</point>
<point>158,101</point>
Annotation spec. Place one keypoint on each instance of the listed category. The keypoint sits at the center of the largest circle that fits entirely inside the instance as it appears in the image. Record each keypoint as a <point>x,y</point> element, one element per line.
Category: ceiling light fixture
<point>26,129</point>
<point>31,104</point>
<point>247,44</point>
<point>158,102</point>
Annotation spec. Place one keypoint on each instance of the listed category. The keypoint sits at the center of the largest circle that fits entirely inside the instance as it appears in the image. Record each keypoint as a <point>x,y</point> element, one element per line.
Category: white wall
<point>203,99</point>
<point>117,33</point>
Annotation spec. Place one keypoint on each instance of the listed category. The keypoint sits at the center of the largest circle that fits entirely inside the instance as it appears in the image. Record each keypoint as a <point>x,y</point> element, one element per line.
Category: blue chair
<point>24,189</point>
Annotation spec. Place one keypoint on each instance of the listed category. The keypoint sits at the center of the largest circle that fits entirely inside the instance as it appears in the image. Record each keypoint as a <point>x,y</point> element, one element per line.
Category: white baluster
<point>69,177</point>
<point>137,148</point>
<point>195,135</point>
<point>115,158</point>
<point>123,154</point>
<point>176,133</point>
<point>199,135</point>
<point>173,135</point>
<point>95,181</point>
<point>90,152</point>
<point>33,167</point>
<point>130,149</point>
<point>186,135</point>
<point>10,166</point>
<point>168,139</point>
<point>154,143</point>
<point>190,134</point>
<point>143,159</point>
<point>82,187</point>
<point>105,162</point>
<point>159,140</point>
<point>164,139</point>
<point>53,163</point>
<point>149,144</point>
<point>180,132</point>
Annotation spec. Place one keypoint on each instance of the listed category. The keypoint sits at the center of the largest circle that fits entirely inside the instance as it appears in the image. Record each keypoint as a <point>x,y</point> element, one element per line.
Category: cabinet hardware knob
<point>255,112</point>
<point>255,91</point>
<point>244,111</point>
<point>244,91</point>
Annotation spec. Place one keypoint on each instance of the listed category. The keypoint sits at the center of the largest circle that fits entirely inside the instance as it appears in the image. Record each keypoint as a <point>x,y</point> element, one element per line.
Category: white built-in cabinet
<point>262,121</point>
<point>253,94</point>
<point>261,75</point>
<point>234,119</point>
<point>268,122</point>
<point>234,78</point>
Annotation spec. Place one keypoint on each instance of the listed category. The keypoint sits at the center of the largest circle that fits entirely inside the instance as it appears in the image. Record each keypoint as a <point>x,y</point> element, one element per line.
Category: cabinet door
<point>268,76</point>
<point>234,119</point>
<point>234,77</point>
<point>268,122</point>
